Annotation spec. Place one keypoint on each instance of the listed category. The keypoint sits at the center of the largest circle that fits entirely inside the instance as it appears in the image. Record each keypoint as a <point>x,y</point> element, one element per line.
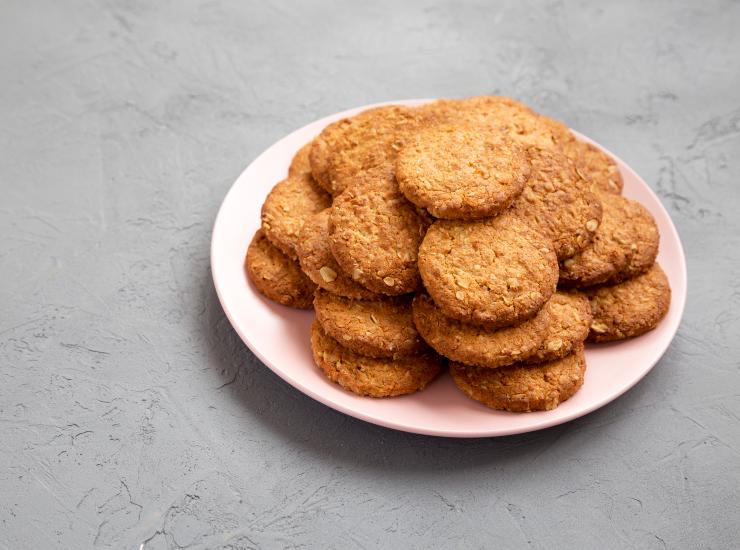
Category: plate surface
<point>279,336</point>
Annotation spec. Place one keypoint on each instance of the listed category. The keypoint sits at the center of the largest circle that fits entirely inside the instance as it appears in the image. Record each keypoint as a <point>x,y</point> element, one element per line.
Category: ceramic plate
<point>279,336</point>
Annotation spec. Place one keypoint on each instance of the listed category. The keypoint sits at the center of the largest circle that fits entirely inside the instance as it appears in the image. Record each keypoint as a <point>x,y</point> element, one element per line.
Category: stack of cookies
<point>473,232</point>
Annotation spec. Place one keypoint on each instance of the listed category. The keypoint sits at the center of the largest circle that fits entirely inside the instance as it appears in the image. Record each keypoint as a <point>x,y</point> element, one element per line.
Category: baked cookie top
<point>317,261</point>
<point>374,233</point>
<point>517,120</point>
<point>476,345</point>
<point>523,388</point>
<point>495,272</point>
<point>461,172</point>
<point>374,377</point>
<point>276,276</point>
<point>625,244</point>
<point>364,145</point>
<point>569,315</point>
<point>559,203</point>
<point>288,206</point>
<point>376,328</point>
<point>630,308</point>
<point>596,166</point>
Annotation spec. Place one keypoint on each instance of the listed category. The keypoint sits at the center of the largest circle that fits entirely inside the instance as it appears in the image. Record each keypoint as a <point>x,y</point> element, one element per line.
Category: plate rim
<point>678,301</point>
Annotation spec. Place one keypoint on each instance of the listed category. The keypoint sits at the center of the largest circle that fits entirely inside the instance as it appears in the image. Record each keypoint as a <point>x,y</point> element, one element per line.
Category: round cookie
<point>495,272</point>
<point>317,261</point>
<point>372,376</point>
<point>476,345</point>
<point>630,308</point>
<point>559,203</point>
<point>364,146</point>
<point>374,233</point>
<point>625,245</point>
<point>376,328</point>
<point>517,120</point>
<point>569,314</point>
<point>276,276</point>
<point>301,163</point>
<point>596,166</point>
<point>290,203</point>
<point>523,388</point>
<point>461,172</point>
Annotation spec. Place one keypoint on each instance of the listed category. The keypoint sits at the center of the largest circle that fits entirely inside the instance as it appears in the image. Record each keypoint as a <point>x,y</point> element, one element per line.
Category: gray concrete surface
<point>131,416</point>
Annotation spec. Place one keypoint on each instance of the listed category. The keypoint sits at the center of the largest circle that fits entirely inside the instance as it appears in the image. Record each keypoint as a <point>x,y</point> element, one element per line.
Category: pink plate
<point>279,336</point>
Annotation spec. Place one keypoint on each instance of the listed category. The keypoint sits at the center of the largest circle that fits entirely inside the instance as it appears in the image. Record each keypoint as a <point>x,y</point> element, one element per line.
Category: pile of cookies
<point>475,233</point>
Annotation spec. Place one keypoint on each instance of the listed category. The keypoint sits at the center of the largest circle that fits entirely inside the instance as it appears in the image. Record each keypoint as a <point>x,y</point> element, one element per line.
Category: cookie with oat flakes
<point>630,308</point>
<point>461,172</point>
<point>288,206</point>
<point>596,166</point>
<point>374,234</point>
<point>495,272</point>
<point>624,245</point>
<point>373,377</point>
<point>521,387</point>
<point>276,276</point>
<point>317,261</point>
<point>559,203</point>
<point>375,328</point>
<point>476,345</point>
<point>569,314</point>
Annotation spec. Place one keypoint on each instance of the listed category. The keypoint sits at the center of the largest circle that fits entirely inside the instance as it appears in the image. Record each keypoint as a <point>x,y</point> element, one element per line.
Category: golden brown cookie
<point>630,308</point>
<point>476,345</point>
<point>301,163</point>
<point>276,276</point>
<point>363,146</point>
<point>523,388</point>
<point>370,376</point>
<point>625,245</point>
<point>288,206</point>
<point>596,166</point>
<point>376,328</point>
<point>461,172</point>
<point>374,233</point>
<point>569,317</point>
<point>317,261</point>
<point>517,120</point>
<point>559,203</point>
<point>495,272</point>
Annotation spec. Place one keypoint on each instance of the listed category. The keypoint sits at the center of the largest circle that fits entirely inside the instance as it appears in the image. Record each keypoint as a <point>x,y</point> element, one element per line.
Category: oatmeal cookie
<point>523,388</point>
<point>276,276</point>
<point>630,308</point>
<point>374,377</point>
<point>495,272</point>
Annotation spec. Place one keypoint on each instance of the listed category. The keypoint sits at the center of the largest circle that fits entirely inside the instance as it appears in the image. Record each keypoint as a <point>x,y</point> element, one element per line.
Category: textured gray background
<point>129,410</point>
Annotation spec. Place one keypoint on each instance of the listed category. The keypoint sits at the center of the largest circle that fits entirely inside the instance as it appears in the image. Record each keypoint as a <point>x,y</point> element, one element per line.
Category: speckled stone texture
<point>130,412</point>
